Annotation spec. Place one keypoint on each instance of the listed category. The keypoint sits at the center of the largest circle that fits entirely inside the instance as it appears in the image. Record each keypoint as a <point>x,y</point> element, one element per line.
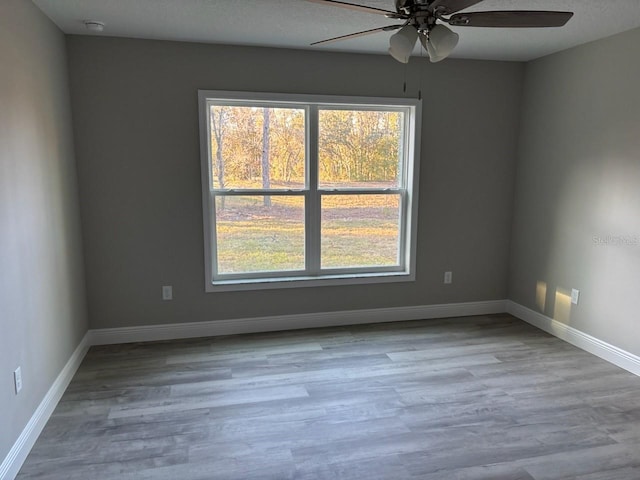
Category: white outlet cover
<point>448,277</point>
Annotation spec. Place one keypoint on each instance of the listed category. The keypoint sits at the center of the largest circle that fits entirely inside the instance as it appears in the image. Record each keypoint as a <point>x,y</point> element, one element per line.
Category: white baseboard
<point>106,336</point>
<point>600,348</point>
<point>15,458</point>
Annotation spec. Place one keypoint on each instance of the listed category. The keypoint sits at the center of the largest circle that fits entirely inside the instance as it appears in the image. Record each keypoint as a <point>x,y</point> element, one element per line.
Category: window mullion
<point>312,220</point>
<point>213,234</point>
<point>403,247</point>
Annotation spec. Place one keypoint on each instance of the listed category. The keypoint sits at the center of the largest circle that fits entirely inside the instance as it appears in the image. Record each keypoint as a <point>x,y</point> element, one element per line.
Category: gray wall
<point>42,297</point>
<point>136,125</point>
<point>578,177</point>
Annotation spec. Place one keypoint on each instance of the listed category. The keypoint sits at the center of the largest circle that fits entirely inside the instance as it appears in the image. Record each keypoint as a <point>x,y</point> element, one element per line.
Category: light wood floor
<point>474,398</point>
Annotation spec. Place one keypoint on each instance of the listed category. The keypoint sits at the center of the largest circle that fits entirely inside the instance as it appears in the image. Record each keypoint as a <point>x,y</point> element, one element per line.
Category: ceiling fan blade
<point>511,19</point>
<point>358,34</point>
<point>353,6</point>
<point>447,7</point>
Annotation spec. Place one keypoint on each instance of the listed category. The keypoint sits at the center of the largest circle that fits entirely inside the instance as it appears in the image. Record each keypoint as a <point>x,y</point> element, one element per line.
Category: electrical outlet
<point>167,292</point>
<point>448,277</point>
<point>575,295</point>
<point>17,379</point>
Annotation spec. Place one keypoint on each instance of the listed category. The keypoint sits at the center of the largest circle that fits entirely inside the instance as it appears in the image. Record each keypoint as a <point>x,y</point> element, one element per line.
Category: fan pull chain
<point>420,84</point>
<point>404,85</point>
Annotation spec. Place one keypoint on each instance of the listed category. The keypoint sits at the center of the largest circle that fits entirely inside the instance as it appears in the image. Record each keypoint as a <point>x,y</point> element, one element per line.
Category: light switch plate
<point>575,295</point>
<point>17,379</point>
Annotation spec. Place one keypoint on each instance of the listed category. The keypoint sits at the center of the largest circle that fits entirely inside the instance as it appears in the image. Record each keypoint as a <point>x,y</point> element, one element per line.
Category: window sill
<point>300,282</point>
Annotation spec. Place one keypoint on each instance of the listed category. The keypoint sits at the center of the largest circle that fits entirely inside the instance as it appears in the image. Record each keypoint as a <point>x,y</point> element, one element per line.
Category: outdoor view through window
<point>299,189</point>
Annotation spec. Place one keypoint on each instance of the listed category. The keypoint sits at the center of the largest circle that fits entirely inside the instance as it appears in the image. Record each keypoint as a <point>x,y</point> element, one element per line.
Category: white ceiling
<point>297,23</point>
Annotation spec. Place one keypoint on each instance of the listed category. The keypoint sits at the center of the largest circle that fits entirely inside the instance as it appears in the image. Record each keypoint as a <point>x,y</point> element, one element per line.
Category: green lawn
<point>356,231</point>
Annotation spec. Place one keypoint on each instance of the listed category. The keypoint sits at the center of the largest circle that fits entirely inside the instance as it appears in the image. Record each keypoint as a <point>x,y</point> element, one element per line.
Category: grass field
<point>356,231</point>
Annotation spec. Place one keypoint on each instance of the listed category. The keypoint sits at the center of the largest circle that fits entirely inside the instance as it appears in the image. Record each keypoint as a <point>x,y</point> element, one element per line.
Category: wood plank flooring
<point>475,398</point>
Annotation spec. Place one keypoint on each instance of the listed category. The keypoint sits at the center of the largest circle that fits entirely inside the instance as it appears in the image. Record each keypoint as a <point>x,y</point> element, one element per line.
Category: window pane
<point>260,233</point>
<point>360,149</point>
<point>255,147</point>
<point>360,230</point>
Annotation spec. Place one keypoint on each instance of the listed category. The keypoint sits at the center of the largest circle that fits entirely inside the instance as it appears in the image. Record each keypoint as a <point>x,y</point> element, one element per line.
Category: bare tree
<point>218,120</point>
<point>266,180</point>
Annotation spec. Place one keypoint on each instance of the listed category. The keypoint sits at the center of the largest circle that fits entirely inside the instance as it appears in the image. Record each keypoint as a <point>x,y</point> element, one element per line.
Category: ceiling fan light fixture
<point>424,41</point>
<point>433,55</point>
<point>402,42</point>
<point>441,42</point>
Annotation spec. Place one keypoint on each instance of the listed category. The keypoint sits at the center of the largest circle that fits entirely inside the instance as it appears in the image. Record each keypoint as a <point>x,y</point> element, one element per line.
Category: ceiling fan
<point>421,19</point>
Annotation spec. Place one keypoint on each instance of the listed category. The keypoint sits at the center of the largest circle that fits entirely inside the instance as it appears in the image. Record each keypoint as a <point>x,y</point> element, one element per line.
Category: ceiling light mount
<point>94,25</point>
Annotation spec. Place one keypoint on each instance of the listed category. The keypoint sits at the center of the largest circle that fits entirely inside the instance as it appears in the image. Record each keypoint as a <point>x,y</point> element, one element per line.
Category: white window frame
<point>312,275</point>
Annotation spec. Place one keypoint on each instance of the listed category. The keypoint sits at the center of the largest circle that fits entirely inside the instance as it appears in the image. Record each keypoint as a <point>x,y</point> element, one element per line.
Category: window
<point>307,190</point>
